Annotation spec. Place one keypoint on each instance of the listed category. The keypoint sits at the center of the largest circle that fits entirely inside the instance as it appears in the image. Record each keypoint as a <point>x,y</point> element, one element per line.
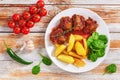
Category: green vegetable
<point>111,68</point>
<point>15,57</point>
<point>46,60</point>
<point>96,44</point>
<point>101,53</point>
<point>95,35</point>
<point>90,40</point>
<point>103,38</point>
<point>36,69</point>
<point>92,57</point>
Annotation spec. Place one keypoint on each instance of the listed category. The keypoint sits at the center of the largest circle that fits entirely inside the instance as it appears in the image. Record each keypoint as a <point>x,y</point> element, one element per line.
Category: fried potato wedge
<point>66,58</point>
<point>85,45</point>
<point>78,37</point>
<point>78,63</point>
<point>59,49</point>
<point>65,52</point>
<point>71,43</point>
<point>73,54</point>
<point>79,49</point>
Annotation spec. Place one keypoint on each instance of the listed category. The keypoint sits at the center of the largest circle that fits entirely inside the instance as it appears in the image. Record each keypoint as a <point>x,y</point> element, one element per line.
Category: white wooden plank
<point>113,28</point>
<point>34,29</point>
<point>81,77</point>
<point>61,1</point>
<point>110,14</point>
<point>113,54</point>
<point>114,36</point>
<point>16,41</point>
<point>13,70</point>
<point>53,71</point>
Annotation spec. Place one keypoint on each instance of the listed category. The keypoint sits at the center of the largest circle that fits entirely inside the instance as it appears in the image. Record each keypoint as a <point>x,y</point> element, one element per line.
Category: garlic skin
<point>29,46</point>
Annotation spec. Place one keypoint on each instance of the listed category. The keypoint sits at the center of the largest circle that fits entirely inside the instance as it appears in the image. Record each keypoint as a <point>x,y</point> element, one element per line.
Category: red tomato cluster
<point>23,23</point>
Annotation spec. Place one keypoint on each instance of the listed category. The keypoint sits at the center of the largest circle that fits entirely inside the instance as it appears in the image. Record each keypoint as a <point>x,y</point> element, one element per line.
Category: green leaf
<point>36,69</point>
<point>93,48</point>
<point>46,61</point>
<point>101,53</point>
<point>92,56</point>
<point>95,35</point>
<point>98,44</point>
<point>112,68</point>
<point>90,40</point>
<point>103,38</point>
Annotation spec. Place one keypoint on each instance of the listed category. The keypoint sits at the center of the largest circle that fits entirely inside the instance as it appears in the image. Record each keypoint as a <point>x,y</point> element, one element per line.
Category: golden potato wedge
<point>73,54</point>
<point>66,58</point>
<point>71,43</point>
<point>79,49</point>
<point>85,45</point>
<point>59,49</point>
<point>78,63</point>
<point>84,57</point>
<point>78,37</point>
<point>65,52</point>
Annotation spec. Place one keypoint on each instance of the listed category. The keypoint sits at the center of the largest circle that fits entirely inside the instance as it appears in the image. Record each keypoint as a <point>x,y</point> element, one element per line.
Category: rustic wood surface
<point>109,10</point>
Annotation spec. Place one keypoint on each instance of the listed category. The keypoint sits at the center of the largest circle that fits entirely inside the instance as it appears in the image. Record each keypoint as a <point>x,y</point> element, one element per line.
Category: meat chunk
<point>61,39</point>
<point>66,23</point>
<point>91,26</point>
<point>57,36</point>
<point>54,35</point>
<point>78,22</point>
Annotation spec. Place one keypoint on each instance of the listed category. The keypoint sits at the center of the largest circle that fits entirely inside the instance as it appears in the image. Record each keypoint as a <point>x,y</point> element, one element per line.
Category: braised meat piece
<point>90,26</point>
<point>66,23</point>
<point>57,36</point>
<point>78,22</point>
<point>61,39</point>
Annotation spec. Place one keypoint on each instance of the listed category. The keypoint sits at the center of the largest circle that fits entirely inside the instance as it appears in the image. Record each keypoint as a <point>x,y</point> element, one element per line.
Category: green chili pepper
<point>14,56</point>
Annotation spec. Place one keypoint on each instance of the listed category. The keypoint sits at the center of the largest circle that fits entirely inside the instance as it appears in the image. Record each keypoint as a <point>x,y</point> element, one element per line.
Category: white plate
<point>102,29</point>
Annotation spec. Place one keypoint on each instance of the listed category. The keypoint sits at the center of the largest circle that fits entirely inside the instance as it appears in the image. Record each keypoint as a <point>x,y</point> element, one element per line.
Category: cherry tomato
<point>16,29</point>
<point>11,24</point>
<point>22,23</point>
<point>33,9</point>
<point>43,12</point>
<point>16,17</point>
<point>26,15</point>
<point>30,24</point>
<point>25,30</point>
<point>36,18</point>
<point>40,4</point>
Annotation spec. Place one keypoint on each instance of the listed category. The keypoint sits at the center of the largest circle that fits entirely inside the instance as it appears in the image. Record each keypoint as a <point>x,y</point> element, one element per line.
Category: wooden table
<point>109,10</point>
